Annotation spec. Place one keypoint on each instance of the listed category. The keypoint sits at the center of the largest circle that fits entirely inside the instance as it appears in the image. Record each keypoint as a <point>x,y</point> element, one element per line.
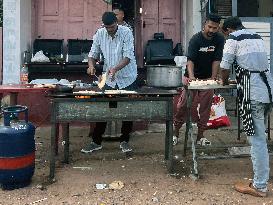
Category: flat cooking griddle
<point>144,91</point>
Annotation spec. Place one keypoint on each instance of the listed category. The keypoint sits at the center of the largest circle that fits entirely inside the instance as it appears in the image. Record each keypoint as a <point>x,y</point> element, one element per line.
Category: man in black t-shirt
<point>204,56</point>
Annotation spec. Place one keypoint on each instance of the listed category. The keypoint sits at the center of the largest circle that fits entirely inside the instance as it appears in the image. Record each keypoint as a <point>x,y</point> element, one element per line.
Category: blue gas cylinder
<point>17,149</point>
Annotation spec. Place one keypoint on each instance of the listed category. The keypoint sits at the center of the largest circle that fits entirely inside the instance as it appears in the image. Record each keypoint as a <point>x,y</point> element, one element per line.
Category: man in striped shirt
<point>254,84</point>
<point>115,42</point>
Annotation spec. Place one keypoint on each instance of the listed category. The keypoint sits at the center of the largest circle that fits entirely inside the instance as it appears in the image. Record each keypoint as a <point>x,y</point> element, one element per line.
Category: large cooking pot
<point>164,76</point>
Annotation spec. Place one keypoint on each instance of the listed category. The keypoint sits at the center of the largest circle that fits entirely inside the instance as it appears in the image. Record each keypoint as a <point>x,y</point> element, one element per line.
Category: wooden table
<point>146,104</point>
<point>14,89</point>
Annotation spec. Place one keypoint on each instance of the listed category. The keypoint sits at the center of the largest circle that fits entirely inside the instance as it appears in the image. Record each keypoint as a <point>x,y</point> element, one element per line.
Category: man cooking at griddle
<point>116,43</point>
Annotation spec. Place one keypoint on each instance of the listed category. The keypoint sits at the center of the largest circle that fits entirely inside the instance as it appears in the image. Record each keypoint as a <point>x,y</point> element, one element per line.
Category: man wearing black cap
<point>115,42</point>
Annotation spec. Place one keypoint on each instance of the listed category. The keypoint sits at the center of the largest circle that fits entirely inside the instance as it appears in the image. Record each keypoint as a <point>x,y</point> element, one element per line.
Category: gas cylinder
<point>17,148</point>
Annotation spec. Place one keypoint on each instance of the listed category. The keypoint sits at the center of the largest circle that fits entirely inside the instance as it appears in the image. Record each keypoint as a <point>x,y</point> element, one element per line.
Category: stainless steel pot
<point>164,76</point>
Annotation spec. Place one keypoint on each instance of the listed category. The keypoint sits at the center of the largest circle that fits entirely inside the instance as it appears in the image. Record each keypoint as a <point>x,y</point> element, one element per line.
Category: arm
<point>217,57</point>
<point>229,55</point>
<point>91,66</point>
<point>215,69</point>
<point>190,67</point>
<point>192,56</point>
<point>224,76</point>
<point>124,62</point>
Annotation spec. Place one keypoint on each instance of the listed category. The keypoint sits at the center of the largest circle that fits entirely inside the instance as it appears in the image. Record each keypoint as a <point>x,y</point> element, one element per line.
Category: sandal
<point>175,140</point>
<point>203,142</point>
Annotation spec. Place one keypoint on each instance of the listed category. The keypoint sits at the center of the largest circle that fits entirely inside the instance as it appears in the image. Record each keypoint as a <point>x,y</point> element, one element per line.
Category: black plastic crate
<point>50,47</point>
<point>78,50</point>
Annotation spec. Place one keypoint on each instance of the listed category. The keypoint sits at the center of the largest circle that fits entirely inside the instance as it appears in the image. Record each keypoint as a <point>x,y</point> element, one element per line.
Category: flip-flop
<point>203,142</point>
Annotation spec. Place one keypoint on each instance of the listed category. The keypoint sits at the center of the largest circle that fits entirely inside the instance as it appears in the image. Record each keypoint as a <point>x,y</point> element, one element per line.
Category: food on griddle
<point>203,82</point>
<point>102,81</point>
<point>107,92</point>
<point>119,92</point>
<point>86,92</point>
<point>44,86</point>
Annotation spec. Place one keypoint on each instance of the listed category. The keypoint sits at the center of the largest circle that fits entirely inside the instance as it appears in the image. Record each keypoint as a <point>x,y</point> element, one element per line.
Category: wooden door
<point>74,19</point>
<point>160,16</point>
<point>94,11</point>
<point>169,23</point>
<point>69,19</point>
<point>50,19</point>
<point>150,17</point>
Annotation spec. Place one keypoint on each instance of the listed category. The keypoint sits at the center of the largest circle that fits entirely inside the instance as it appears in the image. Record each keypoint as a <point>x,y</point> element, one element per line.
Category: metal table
<point>146,104</point>
<point>189,129</point>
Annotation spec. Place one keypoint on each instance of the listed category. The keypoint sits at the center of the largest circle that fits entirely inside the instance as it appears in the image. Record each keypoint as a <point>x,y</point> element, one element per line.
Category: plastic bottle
<point>24,74</point>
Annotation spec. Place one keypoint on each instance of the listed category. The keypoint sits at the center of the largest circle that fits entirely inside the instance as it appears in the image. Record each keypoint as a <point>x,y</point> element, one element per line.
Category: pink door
<point>169,20</point>
<point>50,15</point>
<point>69,19</point>
<point>160,16</point>
<point>150,19</point>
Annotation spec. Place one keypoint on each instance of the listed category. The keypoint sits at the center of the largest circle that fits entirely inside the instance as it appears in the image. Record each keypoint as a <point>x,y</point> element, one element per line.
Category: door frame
<point>139,33</point>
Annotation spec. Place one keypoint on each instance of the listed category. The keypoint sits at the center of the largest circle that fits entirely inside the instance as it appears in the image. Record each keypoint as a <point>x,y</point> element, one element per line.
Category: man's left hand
<point>111,73</point>
<point>224,82</point>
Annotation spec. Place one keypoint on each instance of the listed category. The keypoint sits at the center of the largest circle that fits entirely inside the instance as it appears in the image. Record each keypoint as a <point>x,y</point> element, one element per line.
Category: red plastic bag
<point>218,115</point>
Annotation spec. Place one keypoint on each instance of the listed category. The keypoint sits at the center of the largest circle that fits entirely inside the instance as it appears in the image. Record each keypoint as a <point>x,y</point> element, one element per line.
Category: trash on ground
<point>101,186</point>
<point>38,201</point>
<point>155,200</point>
<point>239,150</point>
<point>116,185</point>
<point>82,168</point>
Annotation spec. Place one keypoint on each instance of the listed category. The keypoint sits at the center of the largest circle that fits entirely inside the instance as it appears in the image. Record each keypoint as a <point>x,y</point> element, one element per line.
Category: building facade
<point>27,20</point>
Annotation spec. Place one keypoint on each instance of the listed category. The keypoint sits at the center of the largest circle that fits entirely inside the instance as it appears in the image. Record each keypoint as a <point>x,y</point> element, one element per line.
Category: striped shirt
<point>248,50</point>
<point>114,50</point>
<point>127,25</point>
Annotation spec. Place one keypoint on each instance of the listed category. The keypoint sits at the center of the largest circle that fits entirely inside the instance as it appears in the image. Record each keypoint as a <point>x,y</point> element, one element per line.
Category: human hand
<point>222,82</point>
<point>91,70</point>
<point>186,81</point>
<point>111,73</point>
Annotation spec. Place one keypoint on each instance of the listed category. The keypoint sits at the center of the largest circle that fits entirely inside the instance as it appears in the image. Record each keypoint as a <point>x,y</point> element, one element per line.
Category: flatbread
<point>90,92</point>
<point>101,84</point>
<point>203,82</point>
<point>112,92</point>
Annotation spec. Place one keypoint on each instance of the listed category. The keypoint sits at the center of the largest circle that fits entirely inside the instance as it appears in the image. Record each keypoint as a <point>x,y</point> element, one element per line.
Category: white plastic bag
<point>218,114</point>
<point>180,61</point>
<point>40,57</point>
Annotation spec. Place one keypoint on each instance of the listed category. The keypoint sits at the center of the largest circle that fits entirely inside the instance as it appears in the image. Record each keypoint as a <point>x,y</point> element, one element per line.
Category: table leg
<point>169,146</point>
<point>57,138</point>
<point>188,124</point>
<point>52,150</point>
<point>190,133</point>
<point>65,130</point>
<point>167,139</point>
